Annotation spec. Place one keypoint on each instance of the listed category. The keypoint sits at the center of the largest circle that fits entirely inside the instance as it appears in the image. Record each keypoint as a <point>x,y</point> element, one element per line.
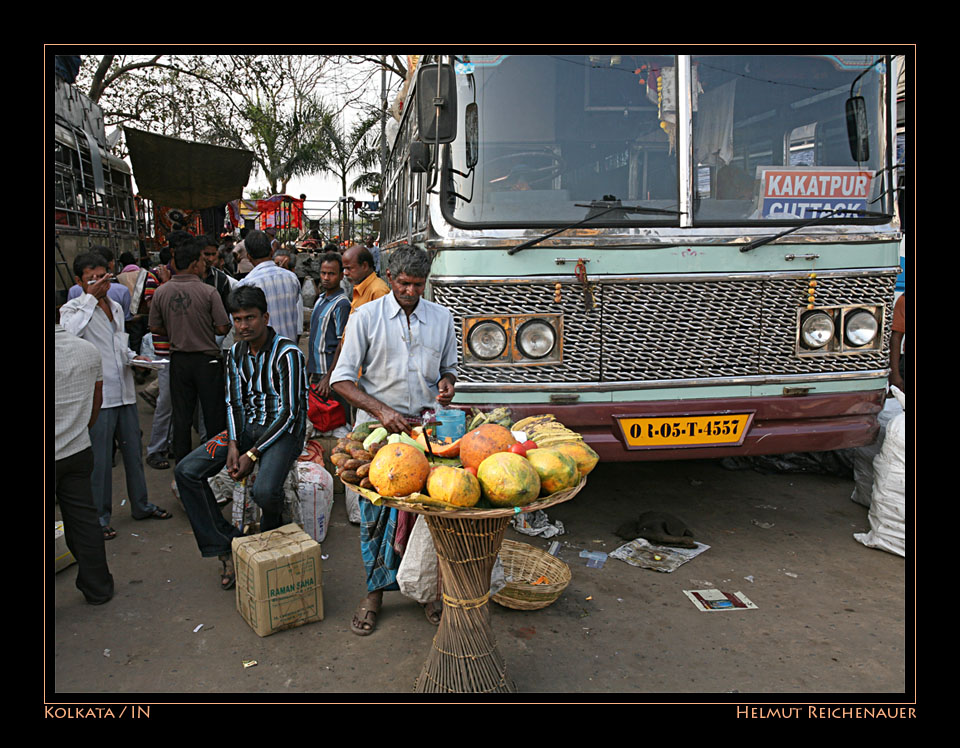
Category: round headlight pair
<point>536,339</point>
<point>818,328</point>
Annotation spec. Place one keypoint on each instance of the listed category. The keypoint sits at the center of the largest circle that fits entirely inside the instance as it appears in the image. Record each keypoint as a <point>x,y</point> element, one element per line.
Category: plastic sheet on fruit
<point>537,523</point>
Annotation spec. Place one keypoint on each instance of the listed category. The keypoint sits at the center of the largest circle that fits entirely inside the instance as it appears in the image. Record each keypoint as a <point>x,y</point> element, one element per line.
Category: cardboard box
<point>279,579</point>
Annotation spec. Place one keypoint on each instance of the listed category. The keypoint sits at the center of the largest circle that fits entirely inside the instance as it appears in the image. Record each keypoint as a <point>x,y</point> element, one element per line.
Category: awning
<point>184,174</point>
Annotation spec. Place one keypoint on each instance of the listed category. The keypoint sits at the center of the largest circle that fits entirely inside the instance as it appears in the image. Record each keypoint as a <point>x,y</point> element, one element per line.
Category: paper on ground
<point>708,601</point>
<point>642,553</point>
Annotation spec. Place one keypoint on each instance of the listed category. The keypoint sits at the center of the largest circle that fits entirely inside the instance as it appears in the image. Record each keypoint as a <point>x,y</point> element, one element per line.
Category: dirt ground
<point>832,619</point>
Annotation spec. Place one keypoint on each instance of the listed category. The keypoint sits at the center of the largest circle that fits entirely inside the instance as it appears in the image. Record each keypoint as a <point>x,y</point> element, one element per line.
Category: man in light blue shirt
<point>399,353</point>
<point>399,358</point>
<point>281,287</point>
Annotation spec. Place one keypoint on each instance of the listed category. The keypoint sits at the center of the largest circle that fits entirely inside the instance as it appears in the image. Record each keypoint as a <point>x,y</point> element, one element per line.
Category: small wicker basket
<point>525,564</point>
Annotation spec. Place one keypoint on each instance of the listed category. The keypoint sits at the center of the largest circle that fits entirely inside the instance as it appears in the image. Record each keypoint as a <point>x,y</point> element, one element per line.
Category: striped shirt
<point>327,322</point>
<point>268,389</point>
<point>284,298</point>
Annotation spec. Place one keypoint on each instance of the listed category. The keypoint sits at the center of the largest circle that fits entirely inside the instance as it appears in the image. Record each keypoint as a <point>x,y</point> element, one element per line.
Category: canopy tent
<point>189,175</point>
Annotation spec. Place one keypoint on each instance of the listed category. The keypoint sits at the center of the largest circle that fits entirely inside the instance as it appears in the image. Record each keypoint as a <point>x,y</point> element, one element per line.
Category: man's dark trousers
<point>193,377</point>
<point>211,530</point>
<point>81,526</point>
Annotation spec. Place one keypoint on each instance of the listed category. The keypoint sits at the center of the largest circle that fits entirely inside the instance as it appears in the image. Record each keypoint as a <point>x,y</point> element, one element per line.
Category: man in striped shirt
<point>327,323</point>
<point>266,422</point>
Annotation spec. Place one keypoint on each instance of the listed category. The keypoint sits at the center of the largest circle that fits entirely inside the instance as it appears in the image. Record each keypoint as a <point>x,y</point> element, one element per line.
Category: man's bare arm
<point>390,419</point>
<point>97,402</point>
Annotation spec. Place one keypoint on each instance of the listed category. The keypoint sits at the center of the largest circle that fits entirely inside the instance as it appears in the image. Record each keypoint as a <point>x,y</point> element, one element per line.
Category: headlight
<point>816,330</point>
<point>487,340</point>
<point>536,339</point>
<point>860,328</point>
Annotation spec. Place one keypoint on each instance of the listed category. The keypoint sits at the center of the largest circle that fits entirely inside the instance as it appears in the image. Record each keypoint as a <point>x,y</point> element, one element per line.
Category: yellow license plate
<point>701,430</point>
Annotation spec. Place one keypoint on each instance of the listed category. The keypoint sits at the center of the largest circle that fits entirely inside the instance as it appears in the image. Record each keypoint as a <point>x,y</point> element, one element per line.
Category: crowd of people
<point>222,324</point>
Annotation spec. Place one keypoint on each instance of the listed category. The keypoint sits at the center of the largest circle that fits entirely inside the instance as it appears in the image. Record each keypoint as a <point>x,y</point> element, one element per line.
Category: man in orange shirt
<point>358,266</point>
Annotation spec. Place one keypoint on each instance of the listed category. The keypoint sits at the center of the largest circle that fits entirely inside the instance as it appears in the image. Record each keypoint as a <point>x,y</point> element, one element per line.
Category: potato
<point>350,476</point>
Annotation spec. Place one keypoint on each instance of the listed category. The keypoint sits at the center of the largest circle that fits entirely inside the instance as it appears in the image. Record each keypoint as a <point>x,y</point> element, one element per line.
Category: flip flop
<point>227,578</point>
<point>365,615</point>
<point>109,533</point>
<point>157,463</point>
<point>158,513</point>
<point>434,612</point>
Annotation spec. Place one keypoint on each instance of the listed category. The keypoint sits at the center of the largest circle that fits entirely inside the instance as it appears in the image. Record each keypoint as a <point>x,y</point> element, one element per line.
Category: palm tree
<point>349,152</point>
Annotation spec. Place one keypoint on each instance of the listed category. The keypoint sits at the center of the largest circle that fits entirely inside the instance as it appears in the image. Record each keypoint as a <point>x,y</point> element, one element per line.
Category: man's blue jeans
<point>212,531</point>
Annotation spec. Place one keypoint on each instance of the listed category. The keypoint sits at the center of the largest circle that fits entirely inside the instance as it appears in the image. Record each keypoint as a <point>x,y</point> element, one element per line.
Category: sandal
<point>156,462</point>
<point>108,533</point>
<point>434,612</point>
<point>364,616</point>
<point>158,513</point>
<point>228,574</point>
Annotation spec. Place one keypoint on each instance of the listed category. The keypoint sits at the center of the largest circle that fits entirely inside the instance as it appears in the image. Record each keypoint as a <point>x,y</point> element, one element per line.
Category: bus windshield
<point>560,135</point>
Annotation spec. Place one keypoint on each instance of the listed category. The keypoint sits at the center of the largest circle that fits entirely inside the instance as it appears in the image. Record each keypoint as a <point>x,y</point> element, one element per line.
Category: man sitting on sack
<point>266,423</point>
<point>405,350</point>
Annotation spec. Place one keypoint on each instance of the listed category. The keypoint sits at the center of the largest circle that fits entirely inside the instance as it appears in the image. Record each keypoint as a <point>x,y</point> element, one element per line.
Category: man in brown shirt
<point>191,314</point>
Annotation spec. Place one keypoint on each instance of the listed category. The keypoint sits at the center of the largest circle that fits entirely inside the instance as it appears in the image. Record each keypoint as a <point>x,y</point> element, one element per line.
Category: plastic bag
<point>888,500</point>
<point>309,292</point>
<point>352,499</point>
<point>419,573</point>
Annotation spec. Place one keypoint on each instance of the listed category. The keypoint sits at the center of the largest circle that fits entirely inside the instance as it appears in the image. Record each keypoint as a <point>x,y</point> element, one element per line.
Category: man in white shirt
<point>96,318</point>
<point>399,359</point>
<point>78,394</point>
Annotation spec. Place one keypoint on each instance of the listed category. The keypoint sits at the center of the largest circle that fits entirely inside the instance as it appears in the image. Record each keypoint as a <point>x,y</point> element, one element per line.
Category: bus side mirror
<point>419,157</point>
<point>437,103</point>
<point>858,132</point>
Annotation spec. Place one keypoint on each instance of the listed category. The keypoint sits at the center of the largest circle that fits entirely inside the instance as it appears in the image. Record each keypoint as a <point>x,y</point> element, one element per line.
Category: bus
<point>679,256</point>
<point>94,202</point>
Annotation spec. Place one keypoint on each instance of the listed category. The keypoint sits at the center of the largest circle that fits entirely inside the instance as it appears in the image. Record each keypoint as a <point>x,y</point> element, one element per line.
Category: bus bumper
<point>780,424</point>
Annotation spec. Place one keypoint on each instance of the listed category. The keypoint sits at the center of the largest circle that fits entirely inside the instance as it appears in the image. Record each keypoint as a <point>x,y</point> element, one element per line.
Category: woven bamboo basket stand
<point>464,657</point>
<point>524,564</point>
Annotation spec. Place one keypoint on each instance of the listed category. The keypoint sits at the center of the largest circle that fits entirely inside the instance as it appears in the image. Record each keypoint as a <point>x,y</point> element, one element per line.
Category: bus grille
<point>650,330</point>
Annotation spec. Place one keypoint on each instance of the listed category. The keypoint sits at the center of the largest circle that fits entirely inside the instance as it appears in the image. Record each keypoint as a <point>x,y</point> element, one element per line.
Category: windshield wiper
<point>819,219</point>
<point>597,208</point>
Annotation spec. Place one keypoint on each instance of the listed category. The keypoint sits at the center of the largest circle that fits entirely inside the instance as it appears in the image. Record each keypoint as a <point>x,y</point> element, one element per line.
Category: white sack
<point>887,506</point>
<point>314,492</point>
<point>863,456</point>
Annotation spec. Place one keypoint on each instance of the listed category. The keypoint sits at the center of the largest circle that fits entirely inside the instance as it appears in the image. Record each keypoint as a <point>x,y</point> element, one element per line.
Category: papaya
<point>584,456</point>
<point>557,470</point>
<point>450,449</point>
<point>398,470</point>
<point>483,441</point>
<point>507,479</point>
<point>453,486</point>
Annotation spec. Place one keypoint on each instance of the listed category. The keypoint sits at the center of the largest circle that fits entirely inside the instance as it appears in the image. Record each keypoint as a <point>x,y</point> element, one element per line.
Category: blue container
<point>453,424</point>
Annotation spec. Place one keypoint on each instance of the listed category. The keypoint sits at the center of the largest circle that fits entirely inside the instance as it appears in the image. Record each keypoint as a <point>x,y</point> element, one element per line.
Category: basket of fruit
<point>487,472</point>
<point>535,579</point>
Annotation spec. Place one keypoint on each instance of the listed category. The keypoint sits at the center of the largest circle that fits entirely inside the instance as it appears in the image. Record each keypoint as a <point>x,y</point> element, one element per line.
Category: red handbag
<point>325,415</point>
